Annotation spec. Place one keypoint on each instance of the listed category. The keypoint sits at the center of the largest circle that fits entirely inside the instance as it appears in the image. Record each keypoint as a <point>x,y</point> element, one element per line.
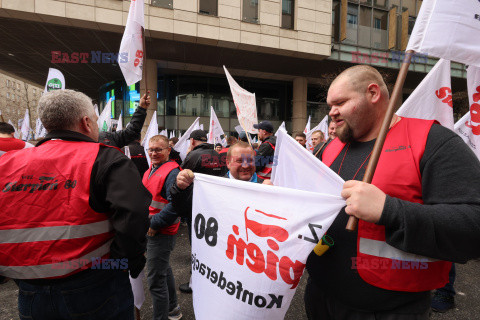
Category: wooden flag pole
<point>377,148</point>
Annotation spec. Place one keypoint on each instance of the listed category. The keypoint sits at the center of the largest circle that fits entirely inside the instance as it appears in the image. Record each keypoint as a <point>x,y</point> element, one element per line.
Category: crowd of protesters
<point>72,205</point>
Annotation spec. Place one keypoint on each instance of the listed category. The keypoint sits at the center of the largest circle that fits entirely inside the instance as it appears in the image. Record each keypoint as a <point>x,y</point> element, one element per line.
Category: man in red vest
<point>73,219</point>
<point>421,210</point>
<point>161,239</point>
<point>8,141</point>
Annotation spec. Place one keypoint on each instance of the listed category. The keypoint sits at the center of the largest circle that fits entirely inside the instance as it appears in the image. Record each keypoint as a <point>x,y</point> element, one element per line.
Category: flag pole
<point>144,61</point>
<point>377,148</point>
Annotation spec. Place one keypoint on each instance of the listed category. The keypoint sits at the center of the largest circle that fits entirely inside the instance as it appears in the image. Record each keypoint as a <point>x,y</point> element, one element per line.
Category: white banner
<point>55,80</point>
<point>297,168</point>
<point>245,103</point>
<point>432,99</point>
<point>137,288</point>
<point>468,128</point>
<point>130,57</point>
<point>281,128</point>
<point>151,131</point>
<point>307,127</point>
<point>448,29</point>
<point>40,130</point>
<point>120,123</point>
<point>25,127</point>
<point>184,142</point>
<point>215,133</point>
<point>250,246</point>
<point>323,126</point>
<point>105,119</point>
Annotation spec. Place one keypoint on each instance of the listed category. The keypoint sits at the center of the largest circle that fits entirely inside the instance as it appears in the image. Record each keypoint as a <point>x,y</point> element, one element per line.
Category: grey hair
<point>63,109</point>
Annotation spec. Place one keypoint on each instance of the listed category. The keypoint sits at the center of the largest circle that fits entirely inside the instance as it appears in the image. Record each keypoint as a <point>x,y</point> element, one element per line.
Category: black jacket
<point>204,159</point>
<point>265,153</point>
<point>117,190</point>
<point>126,136</point>
<point>138,157</point>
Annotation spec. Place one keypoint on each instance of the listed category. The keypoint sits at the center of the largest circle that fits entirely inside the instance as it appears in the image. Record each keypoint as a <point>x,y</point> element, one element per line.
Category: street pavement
<point>467,286</point>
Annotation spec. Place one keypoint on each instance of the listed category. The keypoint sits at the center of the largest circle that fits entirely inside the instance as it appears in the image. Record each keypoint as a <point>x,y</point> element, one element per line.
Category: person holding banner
<point>317,138</point>
<point>131,133</point>
<point>421,210</point>
<point>266,151</point>
<point>77,212</point>
<point>161,239</point>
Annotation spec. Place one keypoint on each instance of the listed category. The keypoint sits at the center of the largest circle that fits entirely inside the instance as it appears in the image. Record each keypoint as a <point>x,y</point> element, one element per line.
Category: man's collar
<point>252,179</point>
<point>66,135</point>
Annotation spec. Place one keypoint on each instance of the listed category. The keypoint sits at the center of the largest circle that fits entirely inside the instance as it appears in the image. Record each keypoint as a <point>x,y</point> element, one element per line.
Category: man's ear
<point>373,92</point>
<point>86,124</point>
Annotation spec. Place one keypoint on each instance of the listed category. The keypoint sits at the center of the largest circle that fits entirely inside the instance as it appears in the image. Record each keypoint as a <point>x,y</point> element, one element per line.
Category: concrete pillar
<point>150,80</point>
<point>299,113</point>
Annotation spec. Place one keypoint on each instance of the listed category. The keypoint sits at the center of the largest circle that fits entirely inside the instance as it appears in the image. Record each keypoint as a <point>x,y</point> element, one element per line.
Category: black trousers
<point>321,307</point>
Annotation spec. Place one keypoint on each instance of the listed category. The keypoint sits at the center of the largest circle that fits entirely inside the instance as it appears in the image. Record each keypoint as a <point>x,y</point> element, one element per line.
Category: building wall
<point>310,38</point>
<point>15,96</point>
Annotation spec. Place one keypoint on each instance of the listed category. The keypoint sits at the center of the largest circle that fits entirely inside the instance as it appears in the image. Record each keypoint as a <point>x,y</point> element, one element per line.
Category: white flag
<point>184,142</point>
<point>323,126</point>
<point>130,57</point>
<point>151,131</point>
<point>16,131</point>
<point>164,132</point>
<point>127,152</point>
<point>96,110</point>
<point>245,104</point>
<point>318,127</point>
<point>25,127</point>
<point>448,29</point>
<point>282,128</point>
<point>40,130</point>
<point>250,246</point>
<point>105,119</point>
<point>137,288</point>
<point>432,99</point>
<point>120,123</point>
<point>215,133</point>
<point>295,167</point>
<point>468,128</point>
<point>172,134</point>
<point>55,80</point>
<point>307,127</point>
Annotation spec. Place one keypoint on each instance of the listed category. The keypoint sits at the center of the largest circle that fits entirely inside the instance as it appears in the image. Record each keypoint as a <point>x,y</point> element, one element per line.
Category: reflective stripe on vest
<point>54,233</point>
<point>382,249</point>
<point>157,205</point>
<point>58,269</point>
<point>266,172</point>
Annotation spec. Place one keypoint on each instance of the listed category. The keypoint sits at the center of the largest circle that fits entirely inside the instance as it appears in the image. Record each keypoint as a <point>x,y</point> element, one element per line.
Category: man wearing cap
<point>264,158</point>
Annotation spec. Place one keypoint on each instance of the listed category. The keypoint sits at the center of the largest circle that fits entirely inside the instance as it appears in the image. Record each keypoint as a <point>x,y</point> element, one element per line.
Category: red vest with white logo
<point>398,175</point>
<point>154,184</point>
<point>266,172</point>
<point>47,227</point>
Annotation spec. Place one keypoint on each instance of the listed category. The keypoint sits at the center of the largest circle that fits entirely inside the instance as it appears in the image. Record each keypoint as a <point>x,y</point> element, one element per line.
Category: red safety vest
<point>398,175</point>
<point>47,227</point>
<point>266,172</point>
<point>154,184</point>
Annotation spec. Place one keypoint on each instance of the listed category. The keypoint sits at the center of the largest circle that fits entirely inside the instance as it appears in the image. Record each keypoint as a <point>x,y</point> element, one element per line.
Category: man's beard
<point>345,133</point>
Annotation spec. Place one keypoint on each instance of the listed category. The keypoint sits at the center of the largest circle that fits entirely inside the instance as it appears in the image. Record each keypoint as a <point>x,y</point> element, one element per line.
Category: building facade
<point>286,51</point>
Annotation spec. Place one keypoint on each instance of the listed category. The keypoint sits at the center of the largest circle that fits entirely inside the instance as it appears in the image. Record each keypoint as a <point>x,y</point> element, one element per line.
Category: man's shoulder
<point>272,139</point>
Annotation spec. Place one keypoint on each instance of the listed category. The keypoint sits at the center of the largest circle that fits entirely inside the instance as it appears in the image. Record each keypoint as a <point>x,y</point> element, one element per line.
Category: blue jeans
<point>95,294</point>
<point>448,290</point>
<point>161,282</point>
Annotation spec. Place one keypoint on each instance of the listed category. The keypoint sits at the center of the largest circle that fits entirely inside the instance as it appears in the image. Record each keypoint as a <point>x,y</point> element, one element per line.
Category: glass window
<point>209,7</point>
<point>287,14</point>
<point>8,83</point>
<point>163,3</point>
<point>8,95</point>
<point>250,11</point>
<point>352,19</point>
<point>377,23</point>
